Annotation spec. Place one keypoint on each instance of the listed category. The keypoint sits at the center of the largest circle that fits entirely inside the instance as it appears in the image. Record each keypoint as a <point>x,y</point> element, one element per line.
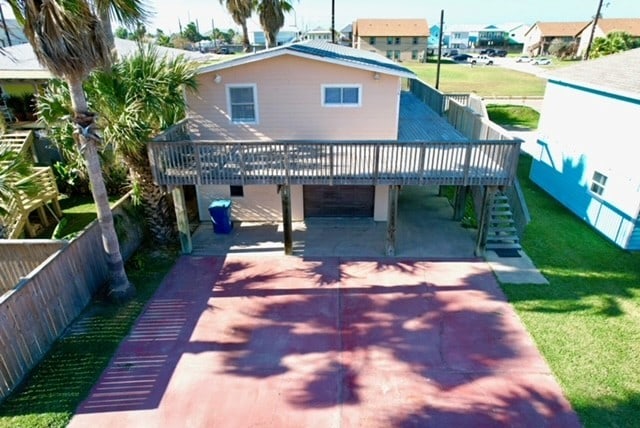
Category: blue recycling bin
<point>220,212</point>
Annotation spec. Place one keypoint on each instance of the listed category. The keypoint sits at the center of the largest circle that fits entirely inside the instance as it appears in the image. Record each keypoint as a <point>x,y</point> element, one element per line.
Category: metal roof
<point>321,50</point>
<point>19,62</point>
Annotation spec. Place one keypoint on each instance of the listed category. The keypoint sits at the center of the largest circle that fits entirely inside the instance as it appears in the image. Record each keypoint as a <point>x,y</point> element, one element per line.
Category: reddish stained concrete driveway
<point>279,341</point>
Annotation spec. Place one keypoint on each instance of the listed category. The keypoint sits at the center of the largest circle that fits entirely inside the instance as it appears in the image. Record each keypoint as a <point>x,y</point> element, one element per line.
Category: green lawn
<point>55,388</point>
<point>513,115</point>
<point>486,81</point>
<point>587,321</point>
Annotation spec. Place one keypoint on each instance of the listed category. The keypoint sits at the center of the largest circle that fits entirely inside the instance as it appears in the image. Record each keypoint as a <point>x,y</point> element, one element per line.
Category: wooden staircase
<point>502,233</point>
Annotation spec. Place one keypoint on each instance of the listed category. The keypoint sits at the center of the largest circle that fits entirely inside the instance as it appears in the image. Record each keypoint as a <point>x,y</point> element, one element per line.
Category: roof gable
<point>559,29</point>
<point>617,73</point>
<point>628,25</point>
<point>391,27</point>
<point>320,50</point>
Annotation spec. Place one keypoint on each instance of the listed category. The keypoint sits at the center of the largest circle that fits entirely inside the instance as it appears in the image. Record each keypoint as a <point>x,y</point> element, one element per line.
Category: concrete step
<point>495,246</point>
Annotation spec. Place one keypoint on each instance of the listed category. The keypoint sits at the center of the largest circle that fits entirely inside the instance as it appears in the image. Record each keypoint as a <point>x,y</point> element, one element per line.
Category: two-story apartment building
<point>396,39</point>
<point>539,37</point>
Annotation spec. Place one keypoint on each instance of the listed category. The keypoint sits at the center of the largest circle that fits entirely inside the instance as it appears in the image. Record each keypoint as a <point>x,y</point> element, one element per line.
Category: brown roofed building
<point>607,26</point>
<point>540,35</point>
<point>397,39</point>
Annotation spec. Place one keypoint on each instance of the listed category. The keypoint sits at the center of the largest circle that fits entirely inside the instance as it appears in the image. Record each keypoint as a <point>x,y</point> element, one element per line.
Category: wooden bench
<point>21,207</point>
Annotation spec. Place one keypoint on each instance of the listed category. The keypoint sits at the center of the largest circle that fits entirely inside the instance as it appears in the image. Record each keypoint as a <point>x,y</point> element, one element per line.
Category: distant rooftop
<point>559,29</point>
<point>391,27</point>
<point>610,25</point>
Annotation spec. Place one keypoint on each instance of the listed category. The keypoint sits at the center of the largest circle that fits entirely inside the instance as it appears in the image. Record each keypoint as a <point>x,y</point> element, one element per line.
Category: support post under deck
<point>460,202</point>
<point>285,195</point>
<point>390,244</point>
<point>182,219</point>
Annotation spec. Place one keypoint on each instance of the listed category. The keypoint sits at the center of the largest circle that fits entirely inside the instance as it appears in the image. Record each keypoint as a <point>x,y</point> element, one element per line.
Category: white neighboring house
<point>461,36</point>
<point>586,157</point>
<point>319,33</point>
<point>289,34</point>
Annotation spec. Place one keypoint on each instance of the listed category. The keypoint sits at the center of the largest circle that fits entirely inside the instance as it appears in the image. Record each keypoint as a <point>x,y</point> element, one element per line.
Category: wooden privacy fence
<point>437,100</point>
<point>45,300</point>
<point>334,162</point>
<point>21,256</point>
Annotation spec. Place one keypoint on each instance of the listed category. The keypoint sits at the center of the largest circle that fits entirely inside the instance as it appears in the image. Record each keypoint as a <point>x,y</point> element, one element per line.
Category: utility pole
<point>593,30</point>
<point>333,21</point>
<point>440,48</point>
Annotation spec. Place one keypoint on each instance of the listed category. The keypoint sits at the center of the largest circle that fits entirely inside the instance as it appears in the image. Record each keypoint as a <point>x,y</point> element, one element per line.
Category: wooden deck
<point>334,162</point>
<point>448,146</point>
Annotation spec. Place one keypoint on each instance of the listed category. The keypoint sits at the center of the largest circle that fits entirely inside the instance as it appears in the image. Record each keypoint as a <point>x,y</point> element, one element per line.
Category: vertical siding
<point>575,144</point>
<point>289,97</point>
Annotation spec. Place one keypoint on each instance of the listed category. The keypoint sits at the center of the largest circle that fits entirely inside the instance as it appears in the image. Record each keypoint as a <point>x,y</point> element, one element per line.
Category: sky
<point>309,14</point>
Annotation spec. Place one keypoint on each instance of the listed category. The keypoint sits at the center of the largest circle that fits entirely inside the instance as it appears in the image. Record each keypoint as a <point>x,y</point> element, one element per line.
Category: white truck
<point>481,59</point>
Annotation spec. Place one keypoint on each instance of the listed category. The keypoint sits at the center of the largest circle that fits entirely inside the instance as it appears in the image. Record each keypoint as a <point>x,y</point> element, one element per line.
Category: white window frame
<point>342,86</point>
<point>254,87</point>
<point>598,186</point>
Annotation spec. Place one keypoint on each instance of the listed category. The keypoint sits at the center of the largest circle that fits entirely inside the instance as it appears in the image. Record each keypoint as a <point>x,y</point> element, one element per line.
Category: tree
<point>122,33</point>
<point>138,97</point>
<point>68,39</point>
<point>240,11</point>
<point>563,49</point>
<point>271,13</point>
<point>127,12</point>
<point>191,33</point>
<point>162,39</point>
<point>617,41</point>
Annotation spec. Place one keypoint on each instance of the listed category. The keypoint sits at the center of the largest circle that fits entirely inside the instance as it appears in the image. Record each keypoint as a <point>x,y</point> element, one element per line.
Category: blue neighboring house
<point>588,157</point>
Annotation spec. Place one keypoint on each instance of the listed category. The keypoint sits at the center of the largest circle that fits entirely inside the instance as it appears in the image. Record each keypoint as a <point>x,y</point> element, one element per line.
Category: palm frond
<point>66,36</point>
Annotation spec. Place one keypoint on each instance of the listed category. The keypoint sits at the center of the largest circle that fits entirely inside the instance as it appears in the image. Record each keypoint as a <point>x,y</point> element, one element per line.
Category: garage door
<point>338,201</point>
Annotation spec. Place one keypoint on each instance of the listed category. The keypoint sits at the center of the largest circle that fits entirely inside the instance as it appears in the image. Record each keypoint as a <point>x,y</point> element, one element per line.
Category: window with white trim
<point>598,183</point>
<point>242,100</point>
<point>341,95</point>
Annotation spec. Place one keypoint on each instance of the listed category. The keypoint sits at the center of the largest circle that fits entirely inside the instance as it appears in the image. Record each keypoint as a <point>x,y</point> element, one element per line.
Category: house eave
<point>276,53</point>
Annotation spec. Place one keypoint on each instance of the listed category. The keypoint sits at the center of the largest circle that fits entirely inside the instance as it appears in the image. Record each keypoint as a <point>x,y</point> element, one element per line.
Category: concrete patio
<point>282,341</point>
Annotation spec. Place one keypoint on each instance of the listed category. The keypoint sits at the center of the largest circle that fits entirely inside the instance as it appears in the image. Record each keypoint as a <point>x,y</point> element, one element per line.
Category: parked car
<point>452,53</point>
<point>481,59</point>
<point>462,57</point>
<point>501,53</point>
<point>542,61</point>
<point>523,58</point>
<point>488,52</point>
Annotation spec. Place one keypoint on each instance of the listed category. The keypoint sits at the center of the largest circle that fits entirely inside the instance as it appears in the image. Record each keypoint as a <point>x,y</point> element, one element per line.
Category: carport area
<point>280,341</point>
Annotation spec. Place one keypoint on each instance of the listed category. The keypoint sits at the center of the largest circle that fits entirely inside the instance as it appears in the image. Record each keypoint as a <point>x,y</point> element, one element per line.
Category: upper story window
<point>372,40</point>
<point>243,106</point>
<point>598,183</point>
<point>415,40</point>
<point>341,95</point>
<point>397,40</point>
<point>389,40</point>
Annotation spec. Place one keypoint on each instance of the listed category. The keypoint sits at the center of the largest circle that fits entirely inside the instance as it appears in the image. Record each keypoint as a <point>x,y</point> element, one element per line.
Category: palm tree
<point>240,11</point>
<point>141,96</point>
<point>130,13</point>
<point>68,39</point>
<point>271,14</point>
<point>138,97</point>
<point>616,41</point>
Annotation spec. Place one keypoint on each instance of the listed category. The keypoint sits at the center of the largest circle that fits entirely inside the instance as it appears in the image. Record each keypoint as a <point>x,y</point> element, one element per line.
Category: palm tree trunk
<point>105,20</point>
<point>245,37</point>
<point>120,288</point>
<point>157,206</point>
